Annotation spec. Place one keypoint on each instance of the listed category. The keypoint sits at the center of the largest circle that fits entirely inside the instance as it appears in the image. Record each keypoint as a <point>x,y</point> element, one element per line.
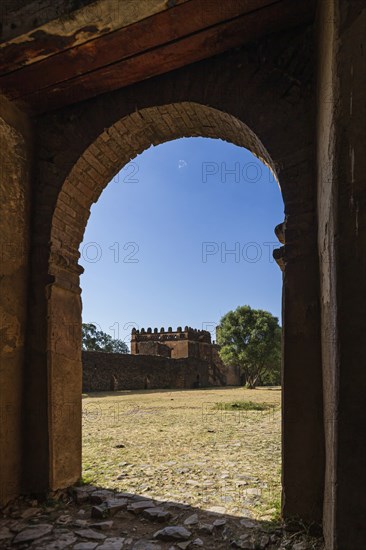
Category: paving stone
<point>156,514</point>
<point>100,496</point>
<point>61,541</point>
<point>112,543</point>
<point>89,534</point>
<point>173,532</point>
<point>191,520</point>
<point>114,505</point>
<point>205,529</point>
<point>219,523</point>
<point>65,519</point>
<point>102,525</point>
<point>32,532</point>
<point>145,545</point>
<point>100,512</point>
<point>80,523</point>
<point>248,524</point>
<point>140,506</point>
<point>124,495</point>
<point>30,512</point>
<point>264,541</point>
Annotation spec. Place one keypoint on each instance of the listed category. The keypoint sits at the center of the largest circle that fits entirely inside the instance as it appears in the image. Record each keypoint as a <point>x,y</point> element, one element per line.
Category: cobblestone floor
<point>88,518</point>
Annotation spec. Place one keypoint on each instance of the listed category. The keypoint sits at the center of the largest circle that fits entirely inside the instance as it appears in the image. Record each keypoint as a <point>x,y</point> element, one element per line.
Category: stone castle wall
<point>117,371</point>
<point>158,360</point>
<point>190,342</point>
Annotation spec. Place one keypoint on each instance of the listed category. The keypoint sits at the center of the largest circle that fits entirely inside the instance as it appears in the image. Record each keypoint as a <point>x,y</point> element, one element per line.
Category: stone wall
<point>261,97</point>
<point>154,348</point>
<point>186,343</point>
<point>15,167</point>
<point>341,164</point>
<point>118,371</point>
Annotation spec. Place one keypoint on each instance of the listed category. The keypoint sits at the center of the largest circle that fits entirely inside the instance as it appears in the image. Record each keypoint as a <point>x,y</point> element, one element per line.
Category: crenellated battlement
<point>162,335</point>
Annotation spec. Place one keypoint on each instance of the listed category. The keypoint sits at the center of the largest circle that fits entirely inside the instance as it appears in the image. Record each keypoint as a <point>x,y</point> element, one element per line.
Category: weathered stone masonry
<point>284,79</point>
<point>159,359</point>
<point>191,343</point>
<point>81,147</point>
<point>117,371</point>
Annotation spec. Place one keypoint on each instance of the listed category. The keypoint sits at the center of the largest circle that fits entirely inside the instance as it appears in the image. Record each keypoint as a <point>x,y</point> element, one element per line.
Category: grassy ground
<point>183,446</point>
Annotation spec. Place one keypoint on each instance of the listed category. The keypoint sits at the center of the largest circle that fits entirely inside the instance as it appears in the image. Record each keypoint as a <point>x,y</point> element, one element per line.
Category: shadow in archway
<point>89,517</point>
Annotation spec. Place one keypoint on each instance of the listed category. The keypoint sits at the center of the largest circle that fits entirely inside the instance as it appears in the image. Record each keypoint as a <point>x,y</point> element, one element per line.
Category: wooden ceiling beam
<point>40,33</point>
<point>179,53</point>
<point>145,35</point>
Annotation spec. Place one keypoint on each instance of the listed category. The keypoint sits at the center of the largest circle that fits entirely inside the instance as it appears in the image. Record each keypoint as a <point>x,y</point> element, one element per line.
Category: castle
<point>180,343</point>
<point>187,343</point>
<point>159,360</point>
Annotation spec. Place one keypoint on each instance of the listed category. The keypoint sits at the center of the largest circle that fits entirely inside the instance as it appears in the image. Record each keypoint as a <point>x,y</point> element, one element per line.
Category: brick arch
<point>114,148</point>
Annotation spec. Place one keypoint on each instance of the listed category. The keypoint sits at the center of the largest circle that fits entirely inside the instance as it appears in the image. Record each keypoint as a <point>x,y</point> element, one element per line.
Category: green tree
<point>251,339</point>
<point>97,340</point>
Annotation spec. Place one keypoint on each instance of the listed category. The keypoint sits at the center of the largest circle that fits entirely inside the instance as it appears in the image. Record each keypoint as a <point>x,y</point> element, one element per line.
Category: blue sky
<point>180,236</point>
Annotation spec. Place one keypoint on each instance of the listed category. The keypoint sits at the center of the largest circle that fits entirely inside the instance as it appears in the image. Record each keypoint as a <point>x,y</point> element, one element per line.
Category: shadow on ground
<point>88,518</point>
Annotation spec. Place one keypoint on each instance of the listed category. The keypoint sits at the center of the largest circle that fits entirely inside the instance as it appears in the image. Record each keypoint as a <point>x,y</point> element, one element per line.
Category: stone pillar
<point>35,399</point>
<point>302,421</point>
<point>65,385</point>
<point>342,243</point>
<point>15,167</point>
<point>52,425</point>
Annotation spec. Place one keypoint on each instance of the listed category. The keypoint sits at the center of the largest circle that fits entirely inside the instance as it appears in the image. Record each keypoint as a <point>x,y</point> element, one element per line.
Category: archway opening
<point>179,238</point>
<point>103,159</point>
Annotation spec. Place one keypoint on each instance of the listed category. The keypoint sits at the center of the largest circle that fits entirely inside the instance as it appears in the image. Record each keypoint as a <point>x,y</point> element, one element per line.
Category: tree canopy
<point>251,339</point>
<point>97,340</point>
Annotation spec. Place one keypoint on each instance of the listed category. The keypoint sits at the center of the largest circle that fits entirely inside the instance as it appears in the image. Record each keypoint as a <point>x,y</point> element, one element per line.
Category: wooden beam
<point>89,22</point>
<point>145,35</point>
<point>212,41</point>
<point>278,16</point>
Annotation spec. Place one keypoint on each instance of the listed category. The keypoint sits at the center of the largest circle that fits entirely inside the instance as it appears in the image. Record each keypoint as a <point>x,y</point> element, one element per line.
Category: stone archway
<point>104,158</point>
<point>82,150</point>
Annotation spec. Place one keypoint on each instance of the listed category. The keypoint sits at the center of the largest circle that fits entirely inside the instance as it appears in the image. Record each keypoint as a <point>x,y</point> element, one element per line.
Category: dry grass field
<point>179,446</point>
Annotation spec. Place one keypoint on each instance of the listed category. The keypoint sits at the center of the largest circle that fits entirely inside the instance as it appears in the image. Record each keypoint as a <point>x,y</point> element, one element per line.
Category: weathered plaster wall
<point>342,242</point>
<point>15,166</point>
<point>106,371</point>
